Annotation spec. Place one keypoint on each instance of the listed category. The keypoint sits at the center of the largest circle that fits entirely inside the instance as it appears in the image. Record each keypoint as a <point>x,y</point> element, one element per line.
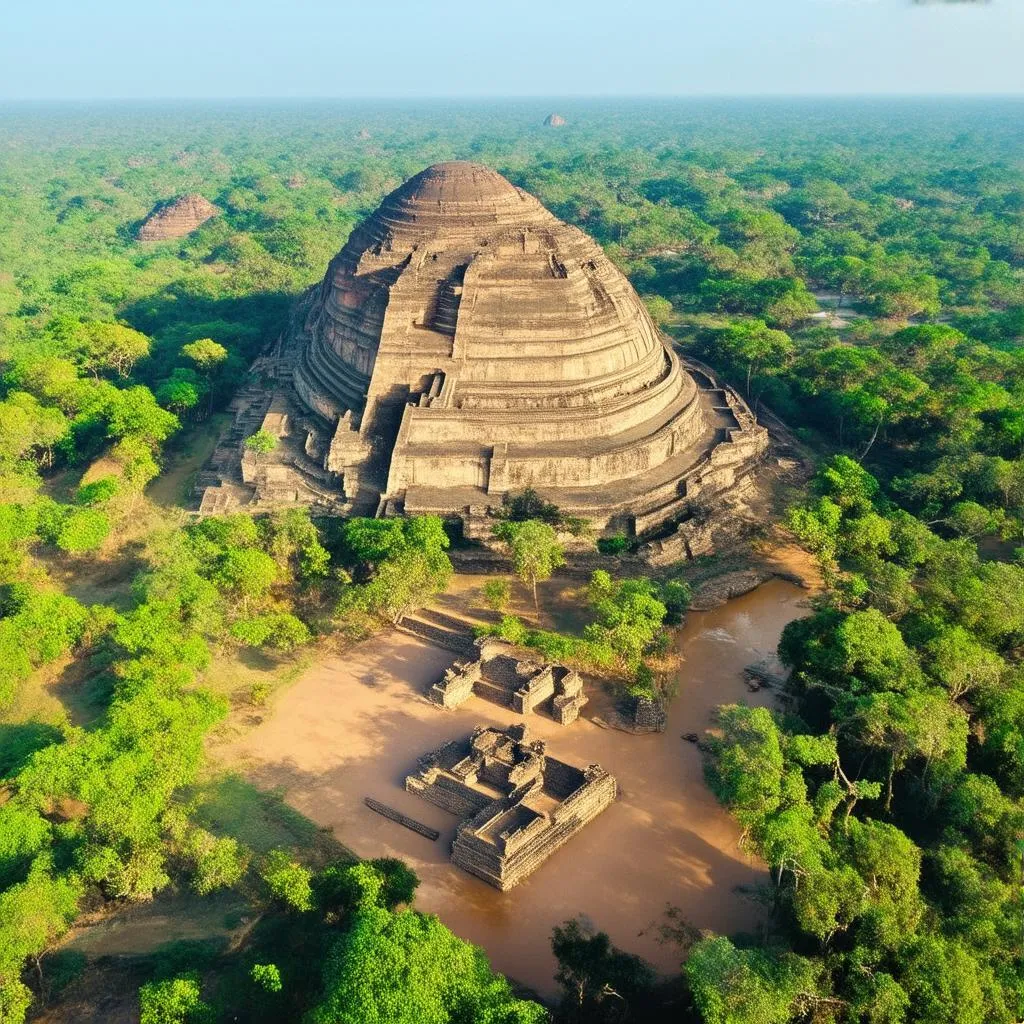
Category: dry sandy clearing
<point>355,724</point>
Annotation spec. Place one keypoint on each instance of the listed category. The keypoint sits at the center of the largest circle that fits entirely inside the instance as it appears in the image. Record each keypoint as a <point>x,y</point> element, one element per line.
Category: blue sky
<point>85,49</point>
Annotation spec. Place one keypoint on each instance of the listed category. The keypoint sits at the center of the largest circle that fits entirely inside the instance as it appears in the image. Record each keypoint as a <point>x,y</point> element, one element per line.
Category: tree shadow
<point>85,689</point>
<point>175,315</point>
<point>18,742</point>
<point>260,819</point>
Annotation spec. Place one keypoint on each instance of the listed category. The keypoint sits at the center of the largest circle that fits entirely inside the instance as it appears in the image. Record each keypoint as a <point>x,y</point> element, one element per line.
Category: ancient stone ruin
<point>466,344</point>
<point>176,218</point>
<point>506,675</point>
<point>554,121</point>
<point>519,804</point>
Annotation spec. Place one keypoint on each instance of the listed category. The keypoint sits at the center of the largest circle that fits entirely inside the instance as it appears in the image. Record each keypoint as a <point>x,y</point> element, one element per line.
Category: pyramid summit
<point>466,344</point>
<point>176,218</point>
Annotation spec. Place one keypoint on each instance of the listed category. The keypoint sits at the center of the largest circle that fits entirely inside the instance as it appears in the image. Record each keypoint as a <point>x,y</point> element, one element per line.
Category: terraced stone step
<point>459,642</point>
<point>445,621</point>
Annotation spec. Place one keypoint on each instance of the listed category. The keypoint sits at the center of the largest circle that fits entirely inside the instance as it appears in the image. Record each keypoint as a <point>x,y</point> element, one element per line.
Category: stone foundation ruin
<point>519,805</point>
<point>506,675</point>
<point>464,345</point>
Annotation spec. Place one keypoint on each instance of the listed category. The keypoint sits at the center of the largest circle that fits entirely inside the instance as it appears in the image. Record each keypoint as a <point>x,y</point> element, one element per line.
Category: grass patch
<point>260,819</point>
<point>66,690</point>
<point>235,671</point>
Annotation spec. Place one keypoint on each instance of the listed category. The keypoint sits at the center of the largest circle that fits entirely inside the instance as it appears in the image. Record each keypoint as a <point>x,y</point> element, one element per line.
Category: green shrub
<point>13,597</point>
<point>45,626</point>
<point>511,630</point>
<point>97,491</point>
<point>643,684</point>
<point>73,528</point>
<point>614,545</point>
<point>219,863</point>
<point>497,594</point>
<point>287,880</point>
<point>267,976</point>
<point>400,881</point>
<point>675,596</point>
<point>174,1001</point>
<point>279,630</point>
<point>342,887</point>
<point>84,529</point>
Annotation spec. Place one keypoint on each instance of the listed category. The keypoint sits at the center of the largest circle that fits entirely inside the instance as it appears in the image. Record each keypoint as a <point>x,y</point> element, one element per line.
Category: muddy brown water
<point>354,726</point>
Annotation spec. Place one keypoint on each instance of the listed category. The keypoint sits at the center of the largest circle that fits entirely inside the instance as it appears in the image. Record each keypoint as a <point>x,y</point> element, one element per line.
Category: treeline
<point>886,795</point>
<point>938,415</point>
<point>735,234</point>
<point>93,812</point>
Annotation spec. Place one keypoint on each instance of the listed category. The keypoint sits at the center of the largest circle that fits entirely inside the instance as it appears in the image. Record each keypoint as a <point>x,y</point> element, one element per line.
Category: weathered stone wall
<point>535,690</point>
<point>526,424</point>
<point>448,794</point>
<point>502,840</point>
<point>456,686</point>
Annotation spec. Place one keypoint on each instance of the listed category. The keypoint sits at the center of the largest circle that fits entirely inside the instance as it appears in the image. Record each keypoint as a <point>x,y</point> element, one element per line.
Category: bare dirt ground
<point>832,314</point>
<point>355,724</point>
<point>173,487</point>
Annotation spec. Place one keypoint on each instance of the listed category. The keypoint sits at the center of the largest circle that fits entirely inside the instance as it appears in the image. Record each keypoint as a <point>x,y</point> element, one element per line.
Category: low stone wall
<point>504,675</point>
<point>534,691</point>
<point>539,841</point>
<point>449,795</point>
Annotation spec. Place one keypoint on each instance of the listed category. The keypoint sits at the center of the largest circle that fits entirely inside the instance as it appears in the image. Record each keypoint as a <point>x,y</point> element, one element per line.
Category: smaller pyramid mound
<point>176,218</point>
<point>554,121</point>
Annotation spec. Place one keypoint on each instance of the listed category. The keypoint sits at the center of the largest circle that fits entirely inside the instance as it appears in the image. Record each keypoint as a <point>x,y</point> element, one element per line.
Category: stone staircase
<point>443,311</point>
<point>442,630</point>
<point>219,484</point>
<point>372,476</point>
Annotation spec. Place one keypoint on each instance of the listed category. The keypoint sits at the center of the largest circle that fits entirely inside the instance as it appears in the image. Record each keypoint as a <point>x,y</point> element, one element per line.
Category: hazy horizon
<point>408,101</point>
<point>673,49</point>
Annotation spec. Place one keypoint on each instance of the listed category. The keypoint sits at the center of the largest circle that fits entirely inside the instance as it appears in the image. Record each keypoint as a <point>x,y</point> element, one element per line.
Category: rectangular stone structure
<point>507,675</point>
<point>518,804</point>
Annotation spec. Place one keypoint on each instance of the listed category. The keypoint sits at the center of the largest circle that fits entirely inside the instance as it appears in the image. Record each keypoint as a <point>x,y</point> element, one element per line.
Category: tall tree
<point>534,549</point>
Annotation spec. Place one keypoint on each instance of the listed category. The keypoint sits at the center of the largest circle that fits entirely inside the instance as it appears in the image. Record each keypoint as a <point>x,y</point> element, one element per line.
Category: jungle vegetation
<point>886,794</point>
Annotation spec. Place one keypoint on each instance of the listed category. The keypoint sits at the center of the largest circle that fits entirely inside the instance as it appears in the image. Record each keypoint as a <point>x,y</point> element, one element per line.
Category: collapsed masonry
<point>502,674</point>
<point>519,804</point>
<point>465,344</point>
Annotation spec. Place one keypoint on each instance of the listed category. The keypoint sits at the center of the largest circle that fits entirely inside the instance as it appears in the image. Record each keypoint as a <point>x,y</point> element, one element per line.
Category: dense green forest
<point>855,267</point>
